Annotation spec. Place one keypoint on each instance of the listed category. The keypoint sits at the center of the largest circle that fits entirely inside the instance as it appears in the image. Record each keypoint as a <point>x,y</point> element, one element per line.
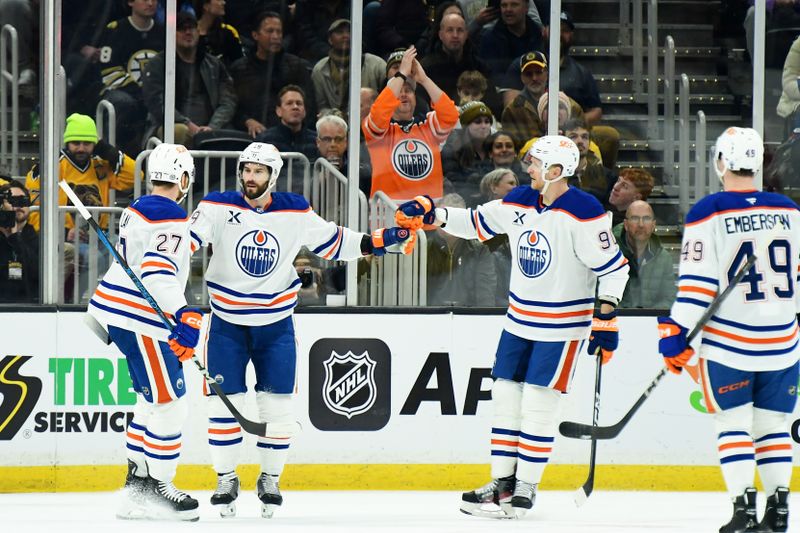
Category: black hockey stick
<point>254,428</point>
<point>583,493</point>
<point>574,430</point>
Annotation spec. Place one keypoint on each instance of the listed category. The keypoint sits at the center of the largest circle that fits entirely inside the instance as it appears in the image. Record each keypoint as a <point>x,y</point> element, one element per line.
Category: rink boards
<point>385,402</point>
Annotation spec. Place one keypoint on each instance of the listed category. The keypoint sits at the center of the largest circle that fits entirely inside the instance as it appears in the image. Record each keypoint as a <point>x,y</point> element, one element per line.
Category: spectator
<point>314,17</point>
<point>331,75</point>
<point>579,84</point>
<point>19,247</point>
<point>205,100</point>
<point>259,76</point>
<point>332,145</point>
<point>23,16</point>
<point>790,95</point>
<point>460,272</point>
<point>126,47</point>
<point>217,38</point>
<point>471,86</point>
<point>465,148</point>
<point>652,276</point>
<point>312,281</point>
<point>521,117</point>
<point>495,186</point>
<point>401,23</point>
<point>429,40</point>
<point>512,36</point>
<point>88,161</point>
<point>633,184</point>
<point>453,55</point>
<point>590,176</point>
<point>368,96</point>
<point>290,135</point>
<point>502,154</point>
<point>405,153</point>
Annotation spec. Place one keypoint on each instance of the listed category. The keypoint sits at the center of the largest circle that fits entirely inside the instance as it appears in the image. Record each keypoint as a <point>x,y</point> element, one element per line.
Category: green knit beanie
<point>80,128</point>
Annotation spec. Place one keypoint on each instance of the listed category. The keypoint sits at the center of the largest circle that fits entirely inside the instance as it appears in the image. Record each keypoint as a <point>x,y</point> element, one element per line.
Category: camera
<point>306,278</point>
<point>15,201</point>
<point>8,219</point>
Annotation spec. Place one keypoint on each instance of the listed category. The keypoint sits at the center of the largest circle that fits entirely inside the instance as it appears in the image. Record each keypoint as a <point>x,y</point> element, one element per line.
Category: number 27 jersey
<point>755,328</point>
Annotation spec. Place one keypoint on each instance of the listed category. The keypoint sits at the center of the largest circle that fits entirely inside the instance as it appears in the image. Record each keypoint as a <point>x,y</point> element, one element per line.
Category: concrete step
<point>611,83</point>
<point>612,34</point>
<point>710,104</point>
<point>617,60</point>
<point>669,11</point>
<point>634,126</point>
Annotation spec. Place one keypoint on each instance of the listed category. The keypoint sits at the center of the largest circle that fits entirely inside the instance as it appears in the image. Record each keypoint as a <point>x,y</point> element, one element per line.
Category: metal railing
<point>397,279</point>
<point>9,152</point>
<point>329,195</point>
<point>106,108</point>
<point>652,70</point>
<point>669,114</point>
<point>683,146</point>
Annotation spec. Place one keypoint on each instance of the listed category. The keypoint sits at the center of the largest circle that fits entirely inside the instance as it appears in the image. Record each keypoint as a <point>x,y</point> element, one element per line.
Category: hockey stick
<point>583,493</point>
<point>574,430</point>
<point>254,428</point>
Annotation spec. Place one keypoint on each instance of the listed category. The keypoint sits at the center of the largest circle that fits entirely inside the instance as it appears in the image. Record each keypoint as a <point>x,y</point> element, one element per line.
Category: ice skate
<point>492,500</point>
<point>269,493</point>
<point>744,514</point>
<point>224,498</point>
<point>776,515</point>
<point>524,496</point>
<point>165,502</point>
<point>132,504</point>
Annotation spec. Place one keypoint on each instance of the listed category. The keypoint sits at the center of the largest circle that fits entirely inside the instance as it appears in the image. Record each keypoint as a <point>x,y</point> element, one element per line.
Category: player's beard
<point>258,193</point>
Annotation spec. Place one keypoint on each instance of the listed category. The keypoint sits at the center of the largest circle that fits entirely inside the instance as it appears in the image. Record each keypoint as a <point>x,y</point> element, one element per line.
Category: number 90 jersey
<point>561,256</point>
<point>154,241</point>
<point>756,327</point>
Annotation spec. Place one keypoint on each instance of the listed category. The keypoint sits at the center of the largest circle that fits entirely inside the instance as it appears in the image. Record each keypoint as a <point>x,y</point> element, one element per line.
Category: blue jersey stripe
<point>503,453</point>
<point>332,240</point>
<point>162,457</point>
<point>704,279</point>
<point>114,311</point>
<point>231,442</point>
<point>768,460</point>
<point>119,288</point>
<point>753,328</point>
<point>734,458</point>
<point>252,311</point>
<point>255,295</point>
<point>272,446</point>
<point>512,432</point>
<point>164,257</point>
<point>485,226</point>
<point>733,434</point>
<point>536,438</point>
<point>562,325</point>
<point>693,301</point>
<point>532,459</point>
<point>773,436</point>
<point>162,272</point>
<point>754,353</point>
<point>566,303</point>
<point>222,420</point>
<point>159,437</point>
<point>601,268</point>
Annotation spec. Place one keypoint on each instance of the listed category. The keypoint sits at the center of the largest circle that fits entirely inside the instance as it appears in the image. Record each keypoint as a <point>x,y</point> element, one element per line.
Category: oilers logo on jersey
<point>257,253</point>
<point>349,387</point>
<point>412,159</point>
<point>534,254</point>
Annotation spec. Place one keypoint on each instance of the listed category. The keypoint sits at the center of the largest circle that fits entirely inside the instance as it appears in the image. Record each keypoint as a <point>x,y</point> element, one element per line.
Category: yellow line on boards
<point>459,477</point>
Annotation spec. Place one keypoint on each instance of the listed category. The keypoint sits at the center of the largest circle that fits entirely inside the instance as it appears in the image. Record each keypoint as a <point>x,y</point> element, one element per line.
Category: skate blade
<point>226,510</point>
<point>268,509</point>
<point>157,513</point>
<point>486,511</point>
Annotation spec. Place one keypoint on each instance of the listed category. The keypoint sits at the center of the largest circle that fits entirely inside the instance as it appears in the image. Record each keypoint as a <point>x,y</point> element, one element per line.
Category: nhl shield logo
<point>349,387</point>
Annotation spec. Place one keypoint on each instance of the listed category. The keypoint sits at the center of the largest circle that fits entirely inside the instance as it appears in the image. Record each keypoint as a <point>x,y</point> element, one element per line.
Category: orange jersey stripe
<point>278,300</point>
<point>566,370</point>
<point>773,448</point>
<point>155,364</point>
<point>134,436</point>
<point>157,264</point>
<point>735,445</point>
<point>164,448</point>
<point>700,290</point>
<point>707,394</point>
<point>748,340</point>
<point>551,315</point>
<point>336,245</point>
<point>504,442</point>
<point>542,449</point>
<point>224,431</point>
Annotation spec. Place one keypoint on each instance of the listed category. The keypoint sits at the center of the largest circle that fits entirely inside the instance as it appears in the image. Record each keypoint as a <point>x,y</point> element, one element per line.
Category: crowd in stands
<point>452,94</point>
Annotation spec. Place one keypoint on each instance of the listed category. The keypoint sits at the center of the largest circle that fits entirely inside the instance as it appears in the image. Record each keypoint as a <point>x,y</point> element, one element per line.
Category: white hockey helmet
<point>262,154</point>
<point>168,163</point>
<point>555,150</point>
<point>738,149</point>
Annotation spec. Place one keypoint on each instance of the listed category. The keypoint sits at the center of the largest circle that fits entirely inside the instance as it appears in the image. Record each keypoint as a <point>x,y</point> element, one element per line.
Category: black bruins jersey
<point>125,50</point>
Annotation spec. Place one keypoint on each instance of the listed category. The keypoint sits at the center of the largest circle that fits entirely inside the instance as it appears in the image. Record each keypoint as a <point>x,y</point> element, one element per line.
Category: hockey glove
<point>186,335</point>
<point>393,241</point>
<point>416,213</point>
<point>108,152</point>
<point>672,344</point>
<point>605,335</point>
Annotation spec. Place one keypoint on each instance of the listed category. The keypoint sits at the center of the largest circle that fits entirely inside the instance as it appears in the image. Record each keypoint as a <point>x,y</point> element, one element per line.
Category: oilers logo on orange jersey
<point>257,253</point>
<point>412,159</point>
<point>533,253</point>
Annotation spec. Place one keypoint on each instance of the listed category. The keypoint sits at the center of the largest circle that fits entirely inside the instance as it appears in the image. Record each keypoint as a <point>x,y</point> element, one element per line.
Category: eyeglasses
<point>329,140</point>
<point>640,220</point>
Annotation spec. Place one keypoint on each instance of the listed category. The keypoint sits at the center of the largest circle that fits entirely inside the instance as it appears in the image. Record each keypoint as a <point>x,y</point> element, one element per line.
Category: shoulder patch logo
<point>412,159</point>
<point>534,254</point>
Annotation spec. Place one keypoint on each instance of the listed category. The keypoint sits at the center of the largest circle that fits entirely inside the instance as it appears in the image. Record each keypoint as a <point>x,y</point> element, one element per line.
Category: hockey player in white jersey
<point>154,241</point>
<point>253,286</point>
<point>748,360</point>
<point>562,251</point>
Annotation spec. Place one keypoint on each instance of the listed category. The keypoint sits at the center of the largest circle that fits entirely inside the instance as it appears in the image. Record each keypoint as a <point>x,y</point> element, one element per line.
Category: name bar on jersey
<point>756,222</point>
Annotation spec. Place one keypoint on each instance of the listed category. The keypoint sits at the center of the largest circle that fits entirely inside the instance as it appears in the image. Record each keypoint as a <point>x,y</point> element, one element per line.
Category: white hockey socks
<point>134,436</point>
<point>537,431</point>
<point>735,448</point>
<point>506,401</point>
<point>224,433</point>
<point>162,439</point>
<point>273,449</point>
<point>773,449</point>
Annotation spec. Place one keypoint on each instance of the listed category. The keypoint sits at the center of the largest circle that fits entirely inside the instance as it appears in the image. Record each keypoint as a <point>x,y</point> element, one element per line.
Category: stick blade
<point>575,430</point>
<point>581,495</point>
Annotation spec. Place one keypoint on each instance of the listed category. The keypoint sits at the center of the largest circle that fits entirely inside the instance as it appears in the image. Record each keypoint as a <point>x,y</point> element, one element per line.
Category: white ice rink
<point>355,512</point>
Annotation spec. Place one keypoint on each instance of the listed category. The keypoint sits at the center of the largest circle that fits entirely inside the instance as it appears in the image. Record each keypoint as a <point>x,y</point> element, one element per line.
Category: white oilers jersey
<point>251,278</point>
<point>756,327</point>
<point>154,241</point>
<point>560,255</point>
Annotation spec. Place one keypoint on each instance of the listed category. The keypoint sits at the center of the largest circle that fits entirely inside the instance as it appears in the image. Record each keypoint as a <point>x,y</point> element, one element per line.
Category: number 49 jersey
<point>154,241</point>
<point>756,327</point>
